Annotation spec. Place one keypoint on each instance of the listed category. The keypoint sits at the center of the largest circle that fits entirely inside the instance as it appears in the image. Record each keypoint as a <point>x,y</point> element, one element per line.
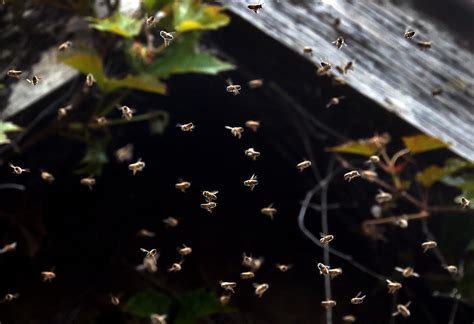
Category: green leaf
<point>465,183</point>
<point>183,56</point>
<point>150,6</point>
<point>119,23</point>
<point>148,302</point>
<point>193,15</point>
<point>198,304</point>
<point>470,246</point>
<point>94,160</point>
<point>138,82</point>
<point>360,147</point>
<point>422,143</point>
<point>430,175</point>
<point>7,127</point>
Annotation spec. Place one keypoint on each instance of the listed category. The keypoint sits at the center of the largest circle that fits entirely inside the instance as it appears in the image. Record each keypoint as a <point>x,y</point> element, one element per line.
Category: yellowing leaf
<point>355,147</point>
<point>119,24</point>
<point>193,15</point>
<point>430,175</point>
<point>7,127</point>
<point>422,143</point>
<point>142,82</point>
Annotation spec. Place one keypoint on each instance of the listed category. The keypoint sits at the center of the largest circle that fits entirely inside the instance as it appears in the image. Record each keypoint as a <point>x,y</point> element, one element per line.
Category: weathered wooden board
<point>389,69</point>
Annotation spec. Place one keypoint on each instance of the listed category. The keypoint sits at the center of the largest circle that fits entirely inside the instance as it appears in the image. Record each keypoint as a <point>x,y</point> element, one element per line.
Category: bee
<point>260,289</point>
<point>349,318</point>
<point>323,269</point>
<point>14,73</point>
<point>402,221</point>
<point>339,42</point>
<point>351,175</point>
<point>210,195</point>
<point>148,264</point>
<point>269,211</point>
<point>403,310</point>
<point>34,80</point>
<point>236,131</point>
<point>8,248</point>
<point>393,286</point>
<point>252,124</point>
<point>48,276</point>
<point>253,263</point>
<point>324,68</point>
<point>184,250</point>
<point>254,84</point>
<point>224,299</point>
<point>137,166</point>
<point>326,238</point>
<point>424,44</point>
<point>158,319</point>
<point>124,154</point>
<point>374,159</point>
<point>48,177</point>
<point>62,112</point>
<point>252,182</point>
<point>437,92</point>
<point>150,20</point>
<point>89,182</point>
<point>171,222</point>
<point>127,112</point>
<point>247,275</point>
<point>228,286</point>
<point>152,254</point>
<point>308,50</point>
<point>90,80</point>
<point>233,88</point>
<point>337,80</point>
<point>337,22</point>
<point>303,165</point>
<point>333,273</point>
<point>167,37</point>
<point>369,175</point>
<point>464,202</point>
<point>101,121</point>
<point>209,206</point>
<point>64,46</point>
<point>283,267</point>
<point>10,297</point>
<point>407,272</point>
<point>114,300</point>
<point>409,34</point>
<point>18,170</point>
<point>383,197</point>
<point>255,7</point>
<point>358,299</point>
<point>428,245</point>
<point>182,185</point>
<point>247,260</point>
<point>451,269</point>
<point>251,153</point>
<point>334,101</point>
<point>328,303</point>
<point>145,233</point>
<point>175,267</point>
<point>349,66</point>
<point>189,127</point>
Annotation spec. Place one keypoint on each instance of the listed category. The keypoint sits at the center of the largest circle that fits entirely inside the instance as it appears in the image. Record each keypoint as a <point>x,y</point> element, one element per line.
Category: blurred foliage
<point>7,127</point>
<point>422,143</point>
<point>147,302</point>
<point>428,176</point>
<point>360,147</point>
<point>192,15</point>
<point>118,23</point>
<point>94,159</point>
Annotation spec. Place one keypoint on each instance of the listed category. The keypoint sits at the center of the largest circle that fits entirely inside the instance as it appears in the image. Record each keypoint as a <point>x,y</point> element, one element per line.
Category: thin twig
<point>454,309</point>
<point>12,186</point>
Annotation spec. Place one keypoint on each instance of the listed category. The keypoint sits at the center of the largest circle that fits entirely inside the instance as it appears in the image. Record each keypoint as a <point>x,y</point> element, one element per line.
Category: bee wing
<point>228,127</point>
<point>143,250</point>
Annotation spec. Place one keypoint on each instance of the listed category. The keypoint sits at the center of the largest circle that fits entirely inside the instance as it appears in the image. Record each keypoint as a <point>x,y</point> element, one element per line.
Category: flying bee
<point>145,233</point>
<point>184,250</point>
<point>14,73</point>
<point>254,84</point>
<point>247,260</point>
<point>101,121</point>
<point>337,80</point>
<point>326,238</point>
<point>152,254</point>
<point>137,166</point>
<point>428,245</point>
<point>424,44</point>
<point>189,127</point>
<point>358,299</point>
<point>251,153</point>
<point>125,153</point>
<point>260,289</point>
<point>308,50</point>
<point>252,182</point>
<point>407,272</point>
<point>34,80</point>
<point>224,299</point>
<point>253,263</point>
<point>236,131</point>
<point>127,112</point>
<point>269,211</point>
<point>303,165</point>
<point>48,276</point>
<point>150,20</point>
<point>10,297</point>
<point>148,264</point>
<point>158,319</point>
<point>369,175</point>
<point>374,159</point>
<point>18,170</point>
<point>409,34</point>
<point>348,66</point>
<point>324,68</point>
<point>393,286</point>
<point>171,222</point>
<point>64,46</point>
<point>323,269</point>
<point>383,197</point>
<point>255,7</point>
<point>334,101</point>
<point>90,80</point>
<point>451,269</point>
<point>283,267</point>
<point>8,248</point>
<point>62,112</point>
<point>175,267</point>
<point>328,303</point>
<point>401,221</point>
<point>228,286</point>
<point>339,42</point>
<point>437,92</point>
<point>114,300</point>
<point>167,37</point>
<point>333,273</point>
<point>403,310</point>
<point>247,275</point>
<point>464,202</point>
<point>349,318</point>
<point>233,88</point>
<point>209,206</point>
<point>182,185</point>
<point>252,124</point>
<point>210,195</point>
<point>351,175</point>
